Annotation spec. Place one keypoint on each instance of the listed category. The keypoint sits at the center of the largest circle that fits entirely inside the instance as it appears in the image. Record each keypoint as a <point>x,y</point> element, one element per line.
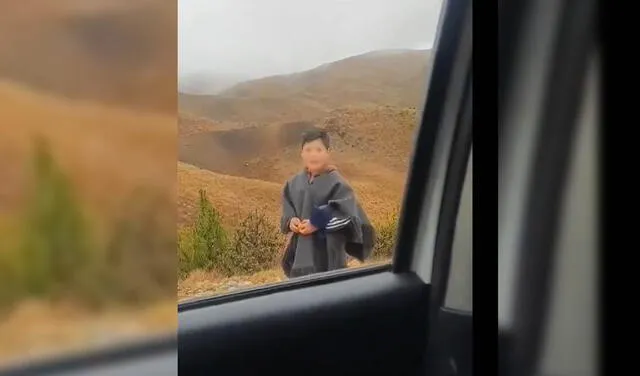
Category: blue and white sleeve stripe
<point>337,223</point>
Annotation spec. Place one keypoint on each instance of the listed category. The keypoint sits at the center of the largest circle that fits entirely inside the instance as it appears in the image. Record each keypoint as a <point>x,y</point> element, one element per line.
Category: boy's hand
<point>306,228</point>
<point>294,225</point>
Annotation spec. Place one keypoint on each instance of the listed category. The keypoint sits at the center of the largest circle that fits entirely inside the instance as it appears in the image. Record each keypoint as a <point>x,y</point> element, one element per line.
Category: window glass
<point>254,77</point>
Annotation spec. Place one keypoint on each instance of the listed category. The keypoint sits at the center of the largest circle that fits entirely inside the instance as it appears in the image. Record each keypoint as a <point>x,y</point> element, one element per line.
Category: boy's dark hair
<point>316,134</point>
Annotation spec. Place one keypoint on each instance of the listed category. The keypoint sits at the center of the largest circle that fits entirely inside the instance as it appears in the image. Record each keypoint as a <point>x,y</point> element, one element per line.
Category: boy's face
<point>315,155</point>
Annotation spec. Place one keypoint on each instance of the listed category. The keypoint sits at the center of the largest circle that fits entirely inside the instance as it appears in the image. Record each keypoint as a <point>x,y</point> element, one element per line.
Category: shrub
<point>10,287</point>
<point>55,249</point>
<point>256,246</point>
<point>140,254</point>
<point>202,245</point>
<point>55,255</point>
<point>386,234</point>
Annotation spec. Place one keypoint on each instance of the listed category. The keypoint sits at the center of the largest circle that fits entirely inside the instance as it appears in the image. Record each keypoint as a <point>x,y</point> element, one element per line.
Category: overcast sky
<point>256,38</point>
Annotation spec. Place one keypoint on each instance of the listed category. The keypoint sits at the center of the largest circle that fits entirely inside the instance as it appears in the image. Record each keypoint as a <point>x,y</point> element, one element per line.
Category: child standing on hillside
<point>320,215</point>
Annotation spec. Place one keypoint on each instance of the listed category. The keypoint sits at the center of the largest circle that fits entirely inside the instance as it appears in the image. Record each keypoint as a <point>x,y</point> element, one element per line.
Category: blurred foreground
<point>39,330</point>
<point>87,165</point>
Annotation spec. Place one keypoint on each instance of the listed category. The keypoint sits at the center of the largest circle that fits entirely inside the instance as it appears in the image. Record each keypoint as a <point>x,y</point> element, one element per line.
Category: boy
<point>320,215</point>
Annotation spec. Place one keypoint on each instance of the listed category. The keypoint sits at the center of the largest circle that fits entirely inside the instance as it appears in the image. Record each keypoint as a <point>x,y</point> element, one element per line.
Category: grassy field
<point>38,329</point>
<point>209,283</point>
<point>82,221</point>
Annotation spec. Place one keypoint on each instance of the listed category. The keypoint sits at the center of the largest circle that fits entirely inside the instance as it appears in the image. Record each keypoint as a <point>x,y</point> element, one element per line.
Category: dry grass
<point>108,152</point>
<point>233,151</point>
<point>190,125</point>
<point>250,110</point>
<point>366,140</point>
<point>235,197</point>
<point>381,135</point>
<point>116,51</point>
<point>205,284</point>
<point>37,328</point>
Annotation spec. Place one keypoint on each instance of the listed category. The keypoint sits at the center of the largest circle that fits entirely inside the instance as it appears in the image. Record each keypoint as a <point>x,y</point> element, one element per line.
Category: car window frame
<point>536,133</point>
<point>452,299</point>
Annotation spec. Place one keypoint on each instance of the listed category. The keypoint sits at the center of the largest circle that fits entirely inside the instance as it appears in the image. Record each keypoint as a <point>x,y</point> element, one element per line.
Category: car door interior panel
<point>349,327</point>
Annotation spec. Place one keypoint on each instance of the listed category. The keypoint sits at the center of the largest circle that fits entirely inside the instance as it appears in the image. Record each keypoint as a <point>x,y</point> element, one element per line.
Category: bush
<point>386,235</point>
<point>55,248</point>
<point>140,254</point>
<point>202,245</point>
<point>10,286</point>
<point>55,255</point>
<point>256,246</point>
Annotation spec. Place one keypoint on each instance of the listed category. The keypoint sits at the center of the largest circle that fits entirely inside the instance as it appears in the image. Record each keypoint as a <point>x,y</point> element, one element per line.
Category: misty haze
<point>224,42</point>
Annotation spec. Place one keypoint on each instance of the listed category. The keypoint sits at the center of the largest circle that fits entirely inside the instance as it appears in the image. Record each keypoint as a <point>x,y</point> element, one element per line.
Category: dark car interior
<point>415,317</point>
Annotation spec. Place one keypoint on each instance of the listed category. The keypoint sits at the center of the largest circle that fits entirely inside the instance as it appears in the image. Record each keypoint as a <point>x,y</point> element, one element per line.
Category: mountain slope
<point>189,125</point>
<point>235,197</point>
<point>107,152</point>
<point>366,142</point>
<point>116,51</point>
<point>379,77</point>
<point>206,84</point>
<point>393,78</point>
<point>249,145</point>
<point>244,169</point>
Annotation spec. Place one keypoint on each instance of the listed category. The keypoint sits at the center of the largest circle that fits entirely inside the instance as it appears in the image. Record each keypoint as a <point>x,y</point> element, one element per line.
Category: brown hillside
<point>389,77</point>
<point>232,151</point>
<point>367,143</point>
<point>189,125</point>
<point>235,197</point>
<point>394,78</point>
<point>107,152</point>
<point>262,109</point>
<point>119,51</point>
<point>371,147</point>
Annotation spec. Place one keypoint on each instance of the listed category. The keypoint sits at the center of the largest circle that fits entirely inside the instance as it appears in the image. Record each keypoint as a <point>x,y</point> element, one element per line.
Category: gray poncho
<point>329,203</point>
